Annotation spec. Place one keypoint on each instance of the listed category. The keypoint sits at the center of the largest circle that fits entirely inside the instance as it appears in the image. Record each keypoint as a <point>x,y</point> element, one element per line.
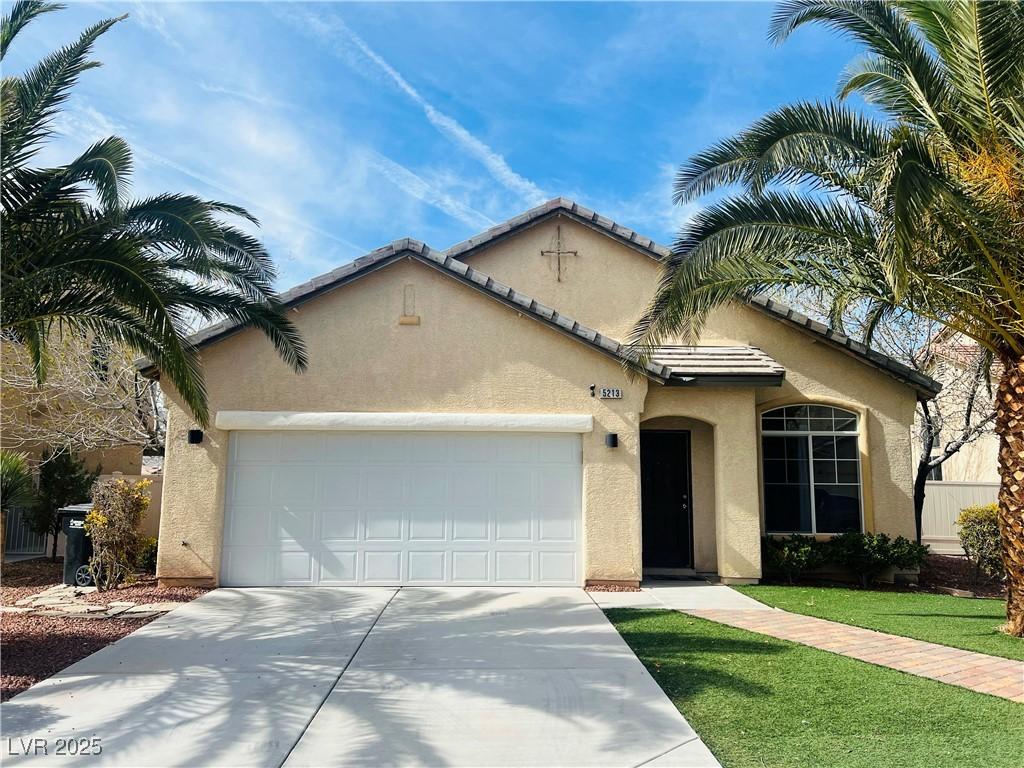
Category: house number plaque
<point>610,393</point>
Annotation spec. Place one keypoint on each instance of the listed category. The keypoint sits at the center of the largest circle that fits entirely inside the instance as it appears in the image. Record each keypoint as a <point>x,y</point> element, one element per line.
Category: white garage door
<point>331,508</point>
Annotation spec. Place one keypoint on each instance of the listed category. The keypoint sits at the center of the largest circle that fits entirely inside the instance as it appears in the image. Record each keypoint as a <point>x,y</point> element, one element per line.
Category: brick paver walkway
<point>976,671</point>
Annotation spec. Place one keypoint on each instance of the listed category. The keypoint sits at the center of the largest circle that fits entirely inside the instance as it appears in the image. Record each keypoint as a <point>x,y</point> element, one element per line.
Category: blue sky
<point>345,126</point>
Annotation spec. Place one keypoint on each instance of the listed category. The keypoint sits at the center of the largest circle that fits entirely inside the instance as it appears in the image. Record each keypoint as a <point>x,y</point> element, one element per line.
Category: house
<point>466,419</point>
<point>963,409</point>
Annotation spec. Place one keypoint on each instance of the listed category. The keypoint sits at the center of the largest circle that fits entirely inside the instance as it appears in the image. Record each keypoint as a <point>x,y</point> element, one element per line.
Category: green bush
<point>118,507</point>
<point>866,555</point>
<point>147,554</point>
<point>906,555</point>
<point>979,536</point>
<point>792,556</point>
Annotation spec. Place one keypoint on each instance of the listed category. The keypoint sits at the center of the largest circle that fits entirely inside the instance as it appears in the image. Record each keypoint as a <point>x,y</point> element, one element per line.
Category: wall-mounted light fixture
<point>611,440</point>
<point>195,436</point>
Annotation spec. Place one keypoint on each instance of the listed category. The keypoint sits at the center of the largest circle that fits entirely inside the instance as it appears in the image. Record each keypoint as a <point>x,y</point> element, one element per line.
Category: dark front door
<point>665,496</point>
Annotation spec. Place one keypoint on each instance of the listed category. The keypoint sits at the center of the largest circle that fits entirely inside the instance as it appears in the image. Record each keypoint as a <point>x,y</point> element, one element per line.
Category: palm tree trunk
<point>1010,428</point>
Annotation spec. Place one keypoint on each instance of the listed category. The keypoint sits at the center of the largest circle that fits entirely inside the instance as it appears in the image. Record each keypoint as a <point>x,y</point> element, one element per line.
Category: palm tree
<point>15,489</point>
<point>81,257</point>
<point>919,208</point>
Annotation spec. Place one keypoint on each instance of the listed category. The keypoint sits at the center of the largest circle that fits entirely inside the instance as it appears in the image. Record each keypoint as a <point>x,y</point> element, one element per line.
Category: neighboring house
<point>952,361</point>
<point>452,429</point>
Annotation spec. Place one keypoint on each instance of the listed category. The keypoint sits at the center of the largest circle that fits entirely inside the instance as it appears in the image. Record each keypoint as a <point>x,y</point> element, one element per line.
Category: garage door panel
<point>293,484</point>
<point>427,524</point>
<point>395,508</point>
<point>469,567</point>
<point>426,486</point>
<point>557,567</point>
<point>300,447</point>
<point>256,447</point>
<point>513,567</point>
<point>294,523</point>
<point>338,566</point>
<point>250,485</point>
<point>339,523</point>
<point>295,568</point>
<point>339,485</point>
<point>382,566</point>
<point>250,526</point>
<point>427,567</point>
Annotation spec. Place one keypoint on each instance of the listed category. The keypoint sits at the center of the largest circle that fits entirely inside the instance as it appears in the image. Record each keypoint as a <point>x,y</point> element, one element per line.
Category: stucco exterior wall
<point>468,354</point>
<point>606,285</point>
<point>731,412</point>
<point>816,372</point>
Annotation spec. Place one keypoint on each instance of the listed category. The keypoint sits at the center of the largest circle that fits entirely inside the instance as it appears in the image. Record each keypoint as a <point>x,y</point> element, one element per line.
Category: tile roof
<point>414,249</point>
<point>718,365</point>
<point>561,206</point>
<point>450,262</point>
<point>923,384</point>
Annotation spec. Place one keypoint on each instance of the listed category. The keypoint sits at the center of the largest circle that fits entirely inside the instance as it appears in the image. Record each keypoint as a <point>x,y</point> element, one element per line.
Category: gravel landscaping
<point>36,646</point>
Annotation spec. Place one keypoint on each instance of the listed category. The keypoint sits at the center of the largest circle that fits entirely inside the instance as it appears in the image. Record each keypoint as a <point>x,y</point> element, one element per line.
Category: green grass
<point>955,621</point>
<point>757,701</point>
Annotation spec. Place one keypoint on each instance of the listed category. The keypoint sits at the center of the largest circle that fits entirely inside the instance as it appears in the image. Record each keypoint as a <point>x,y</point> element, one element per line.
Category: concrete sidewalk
<point>679,596</point>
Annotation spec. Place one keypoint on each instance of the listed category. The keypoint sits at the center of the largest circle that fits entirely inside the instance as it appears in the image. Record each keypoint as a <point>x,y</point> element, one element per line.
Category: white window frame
<point>809,434</point>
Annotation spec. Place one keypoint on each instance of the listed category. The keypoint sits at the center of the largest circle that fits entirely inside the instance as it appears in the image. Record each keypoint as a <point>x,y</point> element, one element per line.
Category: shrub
<point>113,526</point>
<point>907,555</point>
<point>792,556</point>
<point>147,554</point>
<point>979,536</point>
<point>865,554</point>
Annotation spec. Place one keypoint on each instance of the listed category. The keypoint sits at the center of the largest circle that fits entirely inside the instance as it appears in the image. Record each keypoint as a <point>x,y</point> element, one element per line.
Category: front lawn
<point>758,701</point>
<point>971,624</point>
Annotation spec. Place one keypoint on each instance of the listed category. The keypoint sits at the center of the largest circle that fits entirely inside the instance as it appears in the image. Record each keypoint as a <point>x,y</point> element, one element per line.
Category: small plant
<point>979,536</point>
<point>792,556</point>
<point>147,554</point>
<point>865,554</point>
<point>113,525</point>
<point>907,555</point>
<point>15,488</point>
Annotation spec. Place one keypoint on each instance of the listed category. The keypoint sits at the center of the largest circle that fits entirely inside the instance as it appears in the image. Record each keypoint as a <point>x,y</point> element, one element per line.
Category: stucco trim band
<point>404,422</point>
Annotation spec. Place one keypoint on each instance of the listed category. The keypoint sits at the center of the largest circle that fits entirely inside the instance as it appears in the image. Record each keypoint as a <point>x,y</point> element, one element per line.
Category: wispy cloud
<point>86,124</point>
<point>419,188</point>
<point>328,30</point>
<point>253,97</point>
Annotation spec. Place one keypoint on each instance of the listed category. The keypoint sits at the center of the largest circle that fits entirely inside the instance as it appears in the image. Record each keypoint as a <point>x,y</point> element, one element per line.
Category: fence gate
<point>20,540</point>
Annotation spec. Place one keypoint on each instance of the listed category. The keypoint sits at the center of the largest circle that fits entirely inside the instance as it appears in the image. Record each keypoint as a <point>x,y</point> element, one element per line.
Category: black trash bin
<point>77,546</point>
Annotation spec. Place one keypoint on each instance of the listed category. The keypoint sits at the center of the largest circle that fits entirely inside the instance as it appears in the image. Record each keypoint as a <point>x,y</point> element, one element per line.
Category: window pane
<point>824,447</point>
<point>839,413</point>
<point>774,471</point>
<point>796,448</point>
<point>796,411</point>
<point>845,424</point>
<point>787,508</point>
<point>821,425</point>
<point>846,447</point>
<point>837,508</point>
<point>797,472</point>
<point>824,472</point>
<point>820,412</point>
<point>846,472</point>
<point>773,425</point>
<point>773,447</point>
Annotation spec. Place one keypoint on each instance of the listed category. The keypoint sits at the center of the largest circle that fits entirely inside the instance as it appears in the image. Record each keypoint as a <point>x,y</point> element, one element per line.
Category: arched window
<point>811,470</point>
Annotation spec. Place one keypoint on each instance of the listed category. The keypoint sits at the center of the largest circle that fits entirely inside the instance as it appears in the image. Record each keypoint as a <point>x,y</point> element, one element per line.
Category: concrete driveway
<point>331,676</point>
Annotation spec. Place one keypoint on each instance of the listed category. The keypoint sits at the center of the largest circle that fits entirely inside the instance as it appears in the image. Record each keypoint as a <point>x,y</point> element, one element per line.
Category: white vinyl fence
<point>943,501</point>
